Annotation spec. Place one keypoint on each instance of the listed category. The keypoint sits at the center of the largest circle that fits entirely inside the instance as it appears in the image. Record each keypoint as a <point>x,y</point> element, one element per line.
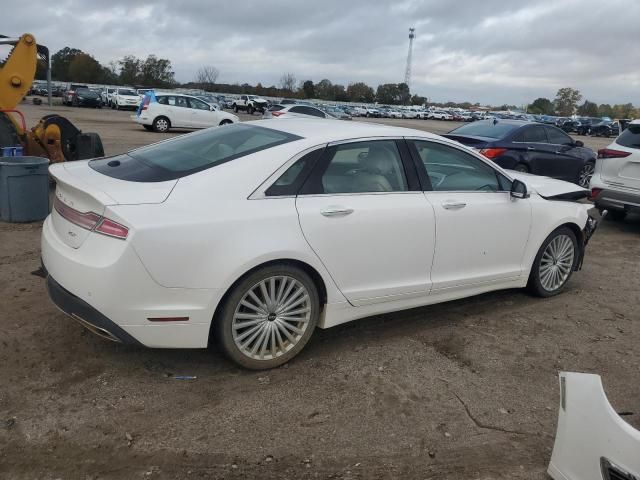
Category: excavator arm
<point>55,137</point>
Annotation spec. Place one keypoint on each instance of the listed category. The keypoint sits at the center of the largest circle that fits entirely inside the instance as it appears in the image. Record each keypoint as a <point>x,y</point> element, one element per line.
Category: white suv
<point>125,98</point>
<point>615,185</point>
<point>172,110</point>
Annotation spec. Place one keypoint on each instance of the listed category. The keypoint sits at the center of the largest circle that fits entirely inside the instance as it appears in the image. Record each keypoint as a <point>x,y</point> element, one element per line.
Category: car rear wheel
<point>617,215</point>
<point>161,124</point>
<point>269,317</point>
<point>554,263</point>
<point>235,108</point>
<point>584,178</point>
<point>521,167</point>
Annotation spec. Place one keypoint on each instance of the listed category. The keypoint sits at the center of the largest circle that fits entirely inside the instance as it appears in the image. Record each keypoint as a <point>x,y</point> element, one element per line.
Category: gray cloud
<point>492,51</point>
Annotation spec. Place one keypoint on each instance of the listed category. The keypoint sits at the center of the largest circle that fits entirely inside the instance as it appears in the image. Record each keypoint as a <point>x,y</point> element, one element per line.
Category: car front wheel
<point>554,263</point>
<point>584,178</point>
<point>269,317</point>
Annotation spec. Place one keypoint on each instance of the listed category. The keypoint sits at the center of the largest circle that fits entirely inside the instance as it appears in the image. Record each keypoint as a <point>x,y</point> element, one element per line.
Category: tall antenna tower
<point>407,72</point>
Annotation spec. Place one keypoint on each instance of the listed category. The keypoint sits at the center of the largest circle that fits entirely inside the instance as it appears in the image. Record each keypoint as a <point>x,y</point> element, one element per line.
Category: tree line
<point>72,64</point>
<point>567,103</point>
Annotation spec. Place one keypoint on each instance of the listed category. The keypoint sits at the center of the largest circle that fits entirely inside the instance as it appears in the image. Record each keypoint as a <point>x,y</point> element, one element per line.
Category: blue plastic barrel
<point>24,189</point>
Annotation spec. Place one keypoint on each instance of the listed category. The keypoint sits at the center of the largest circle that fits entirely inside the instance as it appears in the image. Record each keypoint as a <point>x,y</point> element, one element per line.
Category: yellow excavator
<point>54,137</point>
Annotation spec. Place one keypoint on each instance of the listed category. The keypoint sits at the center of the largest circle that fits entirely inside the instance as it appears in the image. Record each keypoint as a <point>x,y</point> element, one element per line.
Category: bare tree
<point>288,82</point>
<point>206,77</point>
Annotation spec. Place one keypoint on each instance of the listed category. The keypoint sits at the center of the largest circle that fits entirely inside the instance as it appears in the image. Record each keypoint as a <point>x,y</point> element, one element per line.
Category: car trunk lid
<point>82,194</point>
<point>470,140</point>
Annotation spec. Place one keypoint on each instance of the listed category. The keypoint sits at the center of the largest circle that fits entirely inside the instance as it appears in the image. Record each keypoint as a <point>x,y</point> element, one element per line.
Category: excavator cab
<point>54,137</point>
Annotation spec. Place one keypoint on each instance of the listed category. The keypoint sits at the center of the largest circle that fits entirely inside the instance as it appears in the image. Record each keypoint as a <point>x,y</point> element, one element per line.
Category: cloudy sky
<point>490,51</point>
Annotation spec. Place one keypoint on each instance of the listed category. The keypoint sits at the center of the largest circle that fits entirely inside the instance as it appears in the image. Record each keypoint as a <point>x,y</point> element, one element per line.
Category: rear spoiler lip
<point>60,174</point>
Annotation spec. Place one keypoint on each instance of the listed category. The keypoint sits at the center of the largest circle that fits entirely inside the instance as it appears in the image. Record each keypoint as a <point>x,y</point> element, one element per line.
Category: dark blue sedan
<point>529,147</point>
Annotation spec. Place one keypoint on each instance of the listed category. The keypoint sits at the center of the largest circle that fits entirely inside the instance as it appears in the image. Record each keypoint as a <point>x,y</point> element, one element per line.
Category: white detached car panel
<point>592,441</point>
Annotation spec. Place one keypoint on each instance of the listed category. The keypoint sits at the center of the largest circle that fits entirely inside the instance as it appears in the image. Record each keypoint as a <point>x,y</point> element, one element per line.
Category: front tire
<point>250,109</point>
<point>268,317</point>
<point>584,177</point>
<point>554,263</point>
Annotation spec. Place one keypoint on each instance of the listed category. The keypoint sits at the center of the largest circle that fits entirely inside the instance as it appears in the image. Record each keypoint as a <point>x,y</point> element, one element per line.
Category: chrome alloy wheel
<point>556,263</point>
<point>585,175</point>
<point>271,317</point>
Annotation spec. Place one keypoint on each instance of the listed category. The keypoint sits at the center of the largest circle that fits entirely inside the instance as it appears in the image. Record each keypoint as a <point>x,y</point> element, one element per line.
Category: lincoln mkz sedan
<point>254,234</point>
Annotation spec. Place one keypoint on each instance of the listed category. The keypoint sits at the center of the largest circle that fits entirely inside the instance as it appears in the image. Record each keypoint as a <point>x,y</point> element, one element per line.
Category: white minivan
<point>162,111</point>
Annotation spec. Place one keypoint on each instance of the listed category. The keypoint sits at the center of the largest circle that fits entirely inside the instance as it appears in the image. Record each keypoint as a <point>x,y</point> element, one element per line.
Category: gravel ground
<point>465,389</point>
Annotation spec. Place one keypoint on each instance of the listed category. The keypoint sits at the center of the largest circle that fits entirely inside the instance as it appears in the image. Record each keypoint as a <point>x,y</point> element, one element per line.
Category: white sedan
<point>256,233</point>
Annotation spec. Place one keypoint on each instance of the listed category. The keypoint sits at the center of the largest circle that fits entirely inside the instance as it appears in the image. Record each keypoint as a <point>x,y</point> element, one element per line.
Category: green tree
<point>566,101</point>
<point>404,95</point>
<point>324,89</point>
<point>129,70</point>
<point>339,93</point>
<point>588,109</point>
<point>605,110</point>
<point>308,88</point>
<point>86,69</point>
<point>418,100</point>
<point>360,92</point>
<point>541,106</point>
<point>625,110</point>
<point>60,62</point>
<point>156,72</point>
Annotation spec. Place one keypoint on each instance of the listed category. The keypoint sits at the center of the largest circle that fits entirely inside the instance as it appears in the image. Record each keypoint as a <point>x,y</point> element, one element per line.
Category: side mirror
<point>579,143</point>
<point>519,189</point>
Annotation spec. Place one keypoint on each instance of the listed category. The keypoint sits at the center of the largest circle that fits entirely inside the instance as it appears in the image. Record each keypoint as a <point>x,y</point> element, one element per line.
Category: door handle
<point>336,211</point>
<point>453,205</point>
<point>530,148</point>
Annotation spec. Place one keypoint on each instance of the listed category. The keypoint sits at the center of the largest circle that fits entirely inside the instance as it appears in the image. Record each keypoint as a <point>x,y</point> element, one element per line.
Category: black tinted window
<point>630,137</point>
<point>558,137</point>
<point>486,128</point>
<point>293,178</point>
<point>187,154</point>
<point>452,170</point>
<point>533,134</point>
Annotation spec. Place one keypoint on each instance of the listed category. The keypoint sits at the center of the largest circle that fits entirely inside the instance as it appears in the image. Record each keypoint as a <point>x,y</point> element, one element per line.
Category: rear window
<point>630,137</point>
<point>187,154</point>
<point>489,129</point>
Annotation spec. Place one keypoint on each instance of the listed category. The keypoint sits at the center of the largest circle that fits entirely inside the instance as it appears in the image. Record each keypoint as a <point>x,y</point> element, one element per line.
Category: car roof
<point>332,130</point>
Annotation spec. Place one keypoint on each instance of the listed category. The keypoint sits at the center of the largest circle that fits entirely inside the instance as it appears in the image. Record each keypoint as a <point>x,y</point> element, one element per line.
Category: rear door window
<point>630,137</point>
<point>198,104</point>
<point>557,136</point>
<point>187,154</point>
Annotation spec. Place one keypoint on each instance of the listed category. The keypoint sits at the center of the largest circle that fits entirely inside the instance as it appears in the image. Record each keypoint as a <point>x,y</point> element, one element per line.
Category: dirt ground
<point>466,389</point>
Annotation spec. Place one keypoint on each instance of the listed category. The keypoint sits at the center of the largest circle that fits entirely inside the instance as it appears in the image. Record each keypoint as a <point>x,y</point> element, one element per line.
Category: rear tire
<point>161,124</point>
<point>617,215</point>
<point>235,108</point>
<point>553,266</point>
<point>522,168</point>
<point>584,177</point>
<point>250,109</point>
<point>252,328</point>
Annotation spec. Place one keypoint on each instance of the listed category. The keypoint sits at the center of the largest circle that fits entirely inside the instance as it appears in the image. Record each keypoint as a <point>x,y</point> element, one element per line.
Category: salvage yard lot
<point>465,389</point>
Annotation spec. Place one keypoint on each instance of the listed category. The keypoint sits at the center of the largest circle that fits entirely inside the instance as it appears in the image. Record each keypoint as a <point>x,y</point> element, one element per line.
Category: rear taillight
<point>112,229</point>
<point>90,221</point>
<point>277,114</point>
<point>595,192</point>
<point>492,153</point>
<point>611,153</point>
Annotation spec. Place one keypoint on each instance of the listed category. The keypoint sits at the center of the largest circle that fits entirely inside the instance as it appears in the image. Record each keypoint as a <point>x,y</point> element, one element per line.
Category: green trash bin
<point>24,189</point>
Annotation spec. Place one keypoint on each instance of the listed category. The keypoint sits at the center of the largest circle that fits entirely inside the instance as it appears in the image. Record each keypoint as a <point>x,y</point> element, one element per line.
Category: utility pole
<point>407,73</point>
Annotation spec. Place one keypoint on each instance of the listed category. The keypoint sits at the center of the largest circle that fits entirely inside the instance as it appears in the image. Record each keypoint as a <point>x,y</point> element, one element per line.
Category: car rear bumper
<point>611,199</point>
<point>104,285</point>
<point>86,315</point>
